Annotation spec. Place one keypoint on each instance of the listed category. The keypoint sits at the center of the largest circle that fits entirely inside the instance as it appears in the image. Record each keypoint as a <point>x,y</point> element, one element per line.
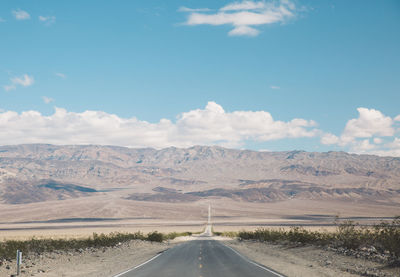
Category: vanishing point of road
<point>203,257</point>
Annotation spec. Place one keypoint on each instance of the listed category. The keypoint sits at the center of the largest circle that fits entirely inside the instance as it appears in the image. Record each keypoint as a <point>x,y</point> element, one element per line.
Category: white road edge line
<point>136,267</point>
<point>256,264</point>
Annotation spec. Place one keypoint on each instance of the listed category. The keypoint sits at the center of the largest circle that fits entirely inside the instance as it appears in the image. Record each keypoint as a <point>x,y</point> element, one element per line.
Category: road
<point>200,258</point>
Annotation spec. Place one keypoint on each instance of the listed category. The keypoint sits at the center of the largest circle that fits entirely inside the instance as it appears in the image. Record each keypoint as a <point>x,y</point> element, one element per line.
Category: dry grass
<point>8,248</point>
<point>384,237</point>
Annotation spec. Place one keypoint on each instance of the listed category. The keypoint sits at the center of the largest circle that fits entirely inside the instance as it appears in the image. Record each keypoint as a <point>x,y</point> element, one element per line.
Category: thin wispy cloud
<point>245,5</point>
<point>48,20</point>
<point>61,75</point>
<point>245,17</point>
<point>186,9</point>
<point>2,20</point>
<point>244,31</point>
<point>24,81</point>
<point>275,87</point>
<point>21,15</point>
<point>47,100</point>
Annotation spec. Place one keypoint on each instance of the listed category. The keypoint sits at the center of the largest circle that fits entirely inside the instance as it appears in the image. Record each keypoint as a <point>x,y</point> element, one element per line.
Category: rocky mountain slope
<point>38,172</point>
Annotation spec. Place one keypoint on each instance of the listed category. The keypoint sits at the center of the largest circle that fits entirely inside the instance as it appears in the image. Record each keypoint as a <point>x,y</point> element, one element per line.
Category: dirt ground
<point>291,260</point>
<point>102,262</point>
<point>311,261</point>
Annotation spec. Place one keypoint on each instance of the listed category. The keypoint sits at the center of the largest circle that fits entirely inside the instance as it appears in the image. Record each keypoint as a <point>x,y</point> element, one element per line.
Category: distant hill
<point>40,172</point>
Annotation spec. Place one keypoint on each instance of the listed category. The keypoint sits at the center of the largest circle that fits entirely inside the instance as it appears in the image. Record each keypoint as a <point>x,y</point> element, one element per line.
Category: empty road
<point>205,258</point>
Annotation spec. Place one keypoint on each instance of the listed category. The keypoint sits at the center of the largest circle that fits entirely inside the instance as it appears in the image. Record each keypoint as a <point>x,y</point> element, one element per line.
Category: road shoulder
<point>91,262</point>
<point>312,261</point>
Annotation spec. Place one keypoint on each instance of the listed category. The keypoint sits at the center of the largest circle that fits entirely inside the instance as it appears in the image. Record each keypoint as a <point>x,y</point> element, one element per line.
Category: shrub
<point>350,235</point>
<point>175,234</point>
<point>9,248</point>
<point>155,236</point>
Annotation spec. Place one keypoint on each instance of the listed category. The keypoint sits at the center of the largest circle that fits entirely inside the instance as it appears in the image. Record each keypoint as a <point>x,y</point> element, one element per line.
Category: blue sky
<point>323,75</point>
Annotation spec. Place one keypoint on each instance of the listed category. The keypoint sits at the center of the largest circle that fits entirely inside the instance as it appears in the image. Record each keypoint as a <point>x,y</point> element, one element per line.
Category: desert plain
<point>72,191</point>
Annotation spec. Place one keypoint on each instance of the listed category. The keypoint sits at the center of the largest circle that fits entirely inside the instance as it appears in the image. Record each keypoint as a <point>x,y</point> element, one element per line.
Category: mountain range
<point>41,172</point>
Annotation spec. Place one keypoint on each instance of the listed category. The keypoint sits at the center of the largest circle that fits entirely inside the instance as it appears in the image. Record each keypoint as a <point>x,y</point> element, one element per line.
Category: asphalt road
<point>200,258</point>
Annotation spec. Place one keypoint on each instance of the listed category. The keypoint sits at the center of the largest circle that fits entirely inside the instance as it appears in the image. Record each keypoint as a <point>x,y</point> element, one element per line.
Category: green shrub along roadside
<point>9,248</point>
<point>384,237</point>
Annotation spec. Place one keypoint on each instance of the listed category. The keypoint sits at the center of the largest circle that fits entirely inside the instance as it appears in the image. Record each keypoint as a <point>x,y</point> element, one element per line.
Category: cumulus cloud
<point>24,81</point>
<point>21,15</point>
<point>367,134</point>
<point>329,139</point>
<point>369,123</point>
<point>48,20</point>
<point>244,16</point>
<point>209,126</point>
<point>391,148</point>
<point>395,144</point>
<point>363,146</point>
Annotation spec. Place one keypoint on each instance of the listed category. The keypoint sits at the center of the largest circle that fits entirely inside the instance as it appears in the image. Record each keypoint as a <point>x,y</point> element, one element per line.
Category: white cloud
<point>21,15</point>
<point>245,5</point>
<point>24,81</point>
<point>329,139</point>
<point>244,31</point>
<point>397,118</point>
<point>47,100</point>
<point>208,126</point>
<point>185,9</point>
<point>363,146</point>
<point>243,16</point>
<point>389,149</point>
<point>2,19</point>
<point>275,87</point>
<point>61,75</point>
<point>364,134</point>
<point>395,143</point>
<point>9,87</point>
<point>48,20</point>
<point>369,123</point>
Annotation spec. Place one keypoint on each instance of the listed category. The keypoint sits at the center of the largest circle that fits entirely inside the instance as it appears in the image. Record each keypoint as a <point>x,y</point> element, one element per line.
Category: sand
<point>102,262</point>
<point>310,261</point>
<point>291,260</point>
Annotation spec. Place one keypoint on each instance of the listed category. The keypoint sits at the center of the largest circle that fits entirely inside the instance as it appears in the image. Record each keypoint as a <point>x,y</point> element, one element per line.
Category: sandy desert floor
<point>83,216</point>
<point>103,262</point>
<point>299,261</point>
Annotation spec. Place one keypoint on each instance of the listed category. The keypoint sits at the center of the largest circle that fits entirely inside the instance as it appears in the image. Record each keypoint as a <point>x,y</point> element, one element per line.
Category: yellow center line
<point>200,265</point>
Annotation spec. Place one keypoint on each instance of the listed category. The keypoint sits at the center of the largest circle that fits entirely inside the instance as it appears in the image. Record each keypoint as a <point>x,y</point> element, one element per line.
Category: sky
<point>261,75</point>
